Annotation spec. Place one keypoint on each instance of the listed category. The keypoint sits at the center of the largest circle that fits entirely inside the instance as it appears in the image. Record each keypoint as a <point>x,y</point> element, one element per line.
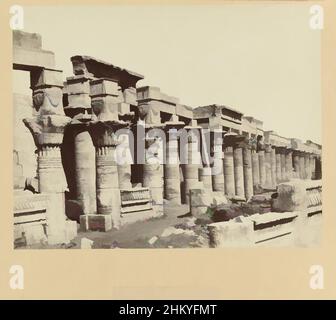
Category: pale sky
<point>263,59</point>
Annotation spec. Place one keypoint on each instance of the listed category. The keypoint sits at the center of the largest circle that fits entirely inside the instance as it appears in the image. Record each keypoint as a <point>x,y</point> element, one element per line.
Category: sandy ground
<point>159,233</point>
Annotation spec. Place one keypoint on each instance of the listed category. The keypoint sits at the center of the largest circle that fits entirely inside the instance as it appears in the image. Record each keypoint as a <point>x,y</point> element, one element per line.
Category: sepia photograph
<point>145,127</point>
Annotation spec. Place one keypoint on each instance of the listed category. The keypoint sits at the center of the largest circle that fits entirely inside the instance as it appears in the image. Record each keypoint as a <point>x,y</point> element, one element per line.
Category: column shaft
<point>238,171</point>
<point>229,180</point>
<point>248,176</point>
<point>296,163</point>
<point>289,165</point>
<point>217,169</point>
<point>302,167</point>
<point>172,187</point>
<point>85,166</point>
<point>255,169</point>
<point>108,193</point>
<point>268,169</point>
<point>262,168</point>
<point>273,168</point>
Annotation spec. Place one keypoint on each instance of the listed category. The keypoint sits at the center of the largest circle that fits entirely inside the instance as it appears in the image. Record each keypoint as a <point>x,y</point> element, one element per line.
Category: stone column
<point>283,165</point>
<point>191,178</point>
<point>236,142</point>
<point>205,172</point>
<point>248,175</point>
<point>289,164</point>
<point>312,166</point>
<point>278,165</point>
<point>125,158</point>
<point>217,167</point>
<point>85,168</point>
<point>238,171</point>
<point>318,167</point>
<point>262,168</point>
<point>296,163</point>
<point>107,182</point>
<point>307,166</point>
<point>302,166</point>
<point>47,129</point>
<point>255,170</point>
<point>104,100</point>
<point>153,172</point>
<point>79,109</point>
<point>268,167</point>
<point>172,185</point>
<point>229,180</point>
<point>273,168</point>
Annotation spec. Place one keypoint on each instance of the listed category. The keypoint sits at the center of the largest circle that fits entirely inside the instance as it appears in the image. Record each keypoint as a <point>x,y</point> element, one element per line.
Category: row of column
<point>239,169</point>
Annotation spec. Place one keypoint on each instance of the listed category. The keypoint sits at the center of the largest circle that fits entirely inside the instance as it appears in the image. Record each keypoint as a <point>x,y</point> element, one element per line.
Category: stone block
<point>81,100</point>
<point>77,84</point>
<point>45,78</point>
<point>27,40</point>
<point>237,232</point>
<point>103,87</point>
<point>292,196</point>
<point>96,222</point>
